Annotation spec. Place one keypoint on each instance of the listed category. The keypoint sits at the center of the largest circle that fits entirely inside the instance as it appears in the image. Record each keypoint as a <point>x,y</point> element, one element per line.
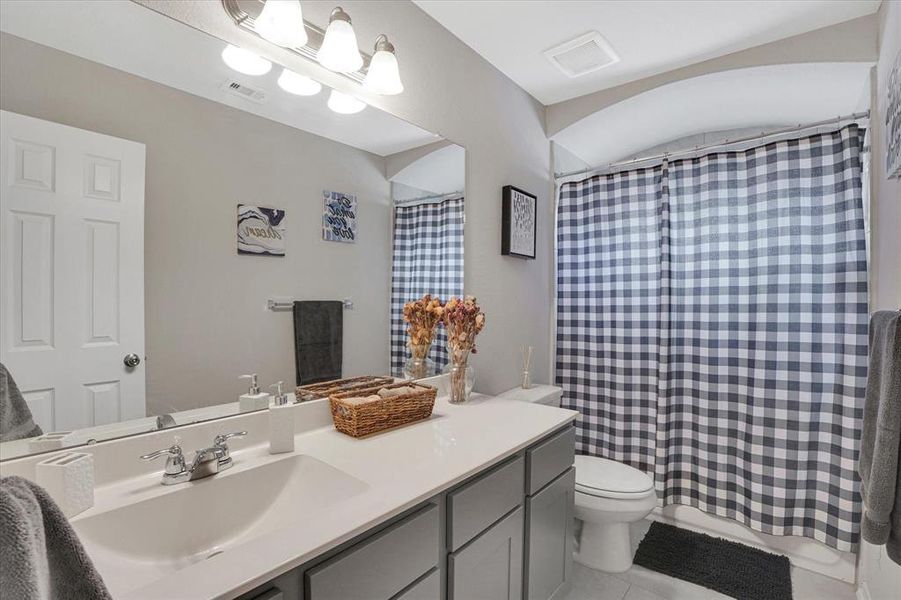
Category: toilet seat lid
<point>603,475</point>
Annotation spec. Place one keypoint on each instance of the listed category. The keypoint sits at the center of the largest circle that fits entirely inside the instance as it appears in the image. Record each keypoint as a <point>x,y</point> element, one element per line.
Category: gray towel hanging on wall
<point>318,337</point>
<point>880,448</point>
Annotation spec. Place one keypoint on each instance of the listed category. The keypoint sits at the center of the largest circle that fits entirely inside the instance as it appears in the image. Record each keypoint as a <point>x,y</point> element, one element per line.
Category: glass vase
<point>462,377</point>
<point>419,365</point>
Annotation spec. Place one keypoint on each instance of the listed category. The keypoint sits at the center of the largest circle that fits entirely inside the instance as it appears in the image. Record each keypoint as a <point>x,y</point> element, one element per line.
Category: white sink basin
<point>140,542</point>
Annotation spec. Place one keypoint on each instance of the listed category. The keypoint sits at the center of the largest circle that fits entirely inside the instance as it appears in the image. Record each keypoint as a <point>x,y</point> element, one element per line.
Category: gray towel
<point>318,336</point>
<point>41,558</point>
<point>880,448</point>
<point>16,422</point>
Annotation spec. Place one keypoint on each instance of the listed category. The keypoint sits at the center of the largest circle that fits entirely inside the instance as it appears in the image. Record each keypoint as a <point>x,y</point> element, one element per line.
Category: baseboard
<point>804,553</point>
<point>863,592</point>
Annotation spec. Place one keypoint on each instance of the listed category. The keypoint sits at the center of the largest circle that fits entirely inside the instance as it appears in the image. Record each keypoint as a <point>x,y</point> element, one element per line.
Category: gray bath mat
<point>726,567</point>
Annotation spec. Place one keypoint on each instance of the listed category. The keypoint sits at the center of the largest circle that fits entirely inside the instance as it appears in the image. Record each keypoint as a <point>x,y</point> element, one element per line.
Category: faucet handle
<point>220,439</point>
<point>175,459</point>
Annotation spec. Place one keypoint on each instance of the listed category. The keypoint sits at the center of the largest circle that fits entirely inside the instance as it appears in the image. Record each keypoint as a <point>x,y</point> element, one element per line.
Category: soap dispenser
<point>254,399</point>
<point>281,423</point>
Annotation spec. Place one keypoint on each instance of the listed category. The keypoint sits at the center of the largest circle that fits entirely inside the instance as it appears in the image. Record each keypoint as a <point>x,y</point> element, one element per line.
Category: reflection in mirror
<point>173,224</point>
<point>427,191</point>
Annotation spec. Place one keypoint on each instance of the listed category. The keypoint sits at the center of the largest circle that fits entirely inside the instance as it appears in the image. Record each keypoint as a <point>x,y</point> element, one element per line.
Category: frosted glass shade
<point>383,76</point>
<point>300,85</point>
<point>245,61</point>
<point>339,51</point>
<point>281,23</point>
<point>344,104</point>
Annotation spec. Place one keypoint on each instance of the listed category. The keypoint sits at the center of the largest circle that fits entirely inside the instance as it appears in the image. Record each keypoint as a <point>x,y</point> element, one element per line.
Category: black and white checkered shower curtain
<point>427,259</point>
<point>712,329</point>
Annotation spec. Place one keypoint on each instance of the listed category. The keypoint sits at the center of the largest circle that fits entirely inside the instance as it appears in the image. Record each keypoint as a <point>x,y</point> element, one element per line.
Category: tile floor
<point>639,583</point>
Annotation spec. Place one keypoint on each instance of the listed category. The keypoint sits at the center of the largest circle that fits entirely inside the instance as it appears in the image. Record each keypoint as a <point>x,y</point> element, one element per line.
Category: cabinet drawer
<point>549,458</point>
<point>381,566</point>
<point>475,506</point>
<point>549,541</point>
<point>427,588</point>
<point>490,567</point>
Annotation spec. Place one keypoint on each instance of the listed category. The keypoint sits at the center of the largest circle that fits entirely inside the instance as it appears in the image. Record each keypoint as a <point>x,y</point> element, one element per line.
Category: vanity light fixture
<point>281,22</point>
<point>300,85</point>
<point>383,76</point>
<point>344,104</point>
<point>339,51</point>
<point>245,61</point>
<point>334,48</point>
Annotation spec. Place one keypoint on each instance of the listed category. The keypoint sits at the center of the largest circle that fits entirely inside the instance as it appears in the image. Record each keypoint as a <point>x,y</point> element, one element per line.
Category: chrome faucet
<point>207,461</point>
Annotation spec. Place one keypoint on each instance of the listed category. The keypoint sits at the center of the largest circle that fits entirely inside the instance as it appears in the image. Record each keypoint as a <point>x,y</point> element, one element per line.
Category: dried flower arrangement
<point>463,320</point>
<point>422,317</point>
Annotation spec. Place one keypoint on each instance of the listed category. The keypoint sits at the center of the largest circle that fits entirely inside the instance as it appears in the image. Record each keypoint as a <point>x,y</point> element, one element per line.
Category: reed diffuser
<point>526,366</point>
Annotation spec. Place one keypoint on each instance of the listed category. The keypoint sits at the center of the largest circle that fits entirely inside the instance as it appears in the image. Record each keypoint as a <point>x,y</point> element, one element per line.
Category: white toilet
<point>609,496</point>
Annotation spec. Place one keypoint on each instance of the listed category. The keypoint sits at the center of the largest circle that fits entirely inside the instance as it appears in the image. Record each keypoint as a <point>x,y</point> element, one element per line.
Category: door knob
<point>132,360</point>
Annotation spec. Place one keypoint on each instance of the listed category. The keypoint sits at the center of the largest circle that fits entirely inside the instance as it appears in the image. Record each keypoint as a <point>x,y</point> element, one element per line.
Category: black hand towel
<point>318,333</point>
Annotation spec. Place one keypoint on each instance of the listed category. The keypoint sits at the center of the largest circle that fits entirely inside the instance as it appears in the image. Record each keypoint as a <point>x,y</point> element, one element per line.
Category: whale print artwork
<point>261,231</point>
<point>339,217</point>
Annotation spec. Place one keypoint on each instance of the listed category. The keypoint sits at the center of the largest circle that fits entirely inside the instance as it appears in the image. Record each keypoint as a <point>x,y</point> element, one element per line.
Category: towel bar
<point>282,304</point>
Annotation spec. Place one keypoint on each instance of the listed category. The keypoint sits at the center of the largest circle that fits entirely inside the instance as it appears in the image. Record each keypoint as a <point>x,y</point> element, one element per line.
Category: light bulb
<point>383,76</point>
<point>281,22</point>
<point>339,51</point>
<point>344,104</point>
<point>295,83</point>
<point>245,61</point>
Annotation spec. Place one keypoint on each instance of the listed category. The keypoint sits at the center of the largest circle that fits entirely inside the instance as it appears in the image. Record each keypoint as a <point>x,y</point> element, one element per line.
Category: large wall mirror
<point>169,224</point>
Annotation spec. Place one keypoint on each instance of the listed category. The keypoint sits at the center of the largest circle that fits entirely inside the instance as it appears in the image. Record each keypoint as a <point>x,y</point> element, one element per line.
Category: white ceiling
<point>135,39</point>
<point>650,36</point>
<point>742,98</point>
<point>440,172</point>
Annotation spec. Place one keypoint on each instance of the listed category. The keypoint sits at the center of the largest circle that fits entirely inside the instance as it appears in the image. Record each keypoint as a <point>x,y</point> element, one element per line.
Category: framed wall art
<point>519,219</point>
<point>261,231</point>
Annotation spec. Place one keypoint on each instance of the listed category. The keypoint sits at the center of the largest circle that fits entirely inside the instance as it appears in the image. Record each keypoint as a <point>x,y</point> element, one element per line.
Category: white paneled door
<point>72,271</point>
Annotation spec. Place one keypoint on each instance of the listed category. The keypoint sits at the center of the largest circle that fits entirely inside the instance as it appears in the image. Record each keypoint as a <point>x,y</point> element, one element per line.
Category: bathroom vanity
<point>476,540</point>
<point>459,506</point>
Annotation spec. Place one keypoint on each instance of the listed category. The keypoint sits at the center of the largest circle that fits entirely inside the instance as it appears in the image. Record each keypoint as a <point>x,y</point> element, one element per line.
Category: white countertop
<point>401,468</point>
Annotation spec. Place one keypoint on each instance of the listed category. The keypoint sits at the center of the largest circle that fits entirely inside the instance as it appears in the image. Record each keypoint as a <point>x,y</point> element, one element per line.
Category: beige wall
<point>206,320</point>
<point>451,90</point>
<point>879,577</point>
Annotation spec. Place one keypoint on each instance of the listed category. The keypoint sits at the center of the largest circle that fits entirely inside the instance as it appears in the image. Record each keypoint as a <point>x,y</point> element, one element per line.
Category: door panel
<point>490,567</point>
<point>71,271</point>
<point>550,515</point>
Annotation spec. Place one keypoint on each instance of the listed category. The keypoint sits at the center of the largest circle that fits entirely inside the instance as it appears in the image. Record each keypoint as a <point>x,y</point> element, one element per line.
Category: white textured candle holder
<point>69,479</point>
<point>53,440</point>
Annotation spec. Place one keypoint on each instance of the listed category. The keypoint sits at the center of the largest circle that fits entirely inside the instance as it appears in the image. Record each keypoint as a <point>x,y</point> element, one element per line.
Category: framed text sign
<point>339,217</point>
<point>519,218</point>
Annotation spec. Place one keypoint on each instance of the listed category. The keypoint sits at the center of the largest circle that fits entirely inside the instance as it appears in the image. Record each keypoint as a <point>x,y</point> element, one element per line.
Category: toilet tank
<point>539,394</point>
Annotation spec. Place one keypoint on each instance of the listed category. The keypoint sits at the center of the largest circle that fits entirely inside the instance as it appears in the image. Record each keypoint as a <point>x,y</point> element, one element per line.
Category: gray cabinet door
<point>549,517</point>
<point>489,567</point>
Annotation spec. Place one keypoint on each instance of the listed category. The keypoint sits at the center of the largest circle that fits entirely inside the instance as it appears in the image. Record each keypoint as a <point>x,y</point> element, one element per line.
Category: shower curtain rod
<point>432,198</point>
<point>764,134</point>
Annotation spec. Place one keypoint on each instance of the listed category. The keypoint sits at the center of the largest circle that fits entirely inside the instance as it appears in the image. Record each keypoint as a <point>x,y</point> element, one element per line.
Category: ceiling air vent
<point>244,91</point>
<point>586,53</point>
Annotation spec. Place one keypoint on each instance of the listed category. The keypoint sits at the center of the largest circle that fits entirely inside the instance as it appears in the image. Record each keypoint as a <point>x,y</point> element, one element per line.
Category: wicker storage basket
<point>358,420</point>
<point>325,389</point>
